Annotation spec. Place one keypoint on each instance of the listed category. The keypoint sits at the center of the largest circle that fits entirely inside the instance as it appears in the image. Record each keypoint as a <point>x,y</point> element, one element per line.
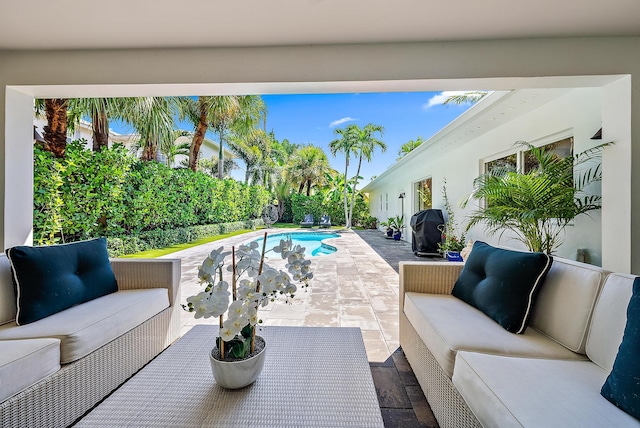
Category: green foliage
<point>453,239</point>
<point>110,193</point>
<point>539,204</point>
<point>318,205</point>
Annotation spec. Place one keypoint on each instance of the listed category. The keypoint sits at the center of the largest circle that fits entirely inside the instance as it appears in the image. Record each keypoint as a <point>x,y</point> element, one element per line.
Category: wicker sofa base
<point>63,397</point>
<point>447,405</point>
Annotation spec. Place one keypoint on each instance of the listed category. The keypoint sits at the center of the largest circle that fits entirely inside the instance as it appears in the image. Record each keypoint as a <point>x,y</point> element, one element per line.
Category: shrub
<point>110,193</point>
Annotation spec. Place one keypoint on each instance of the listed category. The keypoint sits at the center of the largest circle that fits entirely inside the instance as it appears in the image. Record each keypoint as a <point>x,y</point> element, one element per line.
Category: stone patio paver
<point>354,287</point>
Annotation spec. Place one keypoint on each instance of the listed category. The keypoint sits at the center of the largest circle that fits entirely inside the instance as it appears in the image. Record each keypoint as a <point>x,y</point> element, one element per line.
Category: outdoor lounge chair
<point>308,221</point>
<point>325,221</point>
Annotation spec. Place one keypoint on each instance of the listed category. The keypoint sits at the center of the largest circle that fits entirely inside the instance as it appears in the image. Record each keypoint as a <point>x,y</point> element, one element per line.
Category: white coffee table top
<point>313,377</point>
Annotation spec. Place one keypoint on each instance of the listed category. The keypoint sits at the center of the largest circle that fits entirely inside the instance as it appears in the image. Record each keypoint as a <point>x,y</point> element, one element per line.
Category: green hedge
<point>111,193</point>
<point>120,246</point>
<point>318,206</point>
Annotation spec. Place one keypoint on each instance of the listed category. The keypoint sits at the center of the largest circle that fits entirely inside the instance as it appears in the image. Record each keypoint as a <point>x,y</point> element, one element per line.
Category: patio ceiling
<point>78,24</point>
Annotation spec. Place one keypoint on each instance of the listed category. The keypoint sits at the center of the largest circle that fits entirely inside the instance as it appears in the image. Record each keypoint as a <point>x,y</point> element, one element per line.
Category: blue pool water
<point>312,241</point>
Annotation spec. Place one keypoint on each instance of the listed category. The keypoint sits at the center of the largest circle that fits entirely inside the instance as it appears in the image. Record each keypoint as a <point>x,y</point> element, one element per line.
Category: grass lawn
<point>152,254</point>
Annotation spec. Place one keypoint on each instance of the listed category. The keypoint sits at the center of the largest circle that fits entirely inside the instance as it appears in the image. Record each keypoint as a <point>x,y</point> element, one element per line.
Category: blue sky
<point>313,119</point>
<point>304,119</point>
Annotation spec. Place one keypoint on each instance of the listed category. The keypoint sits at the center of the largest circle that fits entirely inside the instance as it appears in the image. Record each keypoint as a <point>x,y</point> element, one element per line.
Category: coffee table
<point>312,377</point>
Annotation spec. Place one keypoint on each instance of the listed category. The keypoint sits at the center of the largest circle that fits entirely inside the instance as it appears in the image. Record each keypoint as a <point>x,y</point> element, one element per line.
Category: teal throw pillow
<point>53,278</point>
<point>622,387</point>
<point>502,283</point>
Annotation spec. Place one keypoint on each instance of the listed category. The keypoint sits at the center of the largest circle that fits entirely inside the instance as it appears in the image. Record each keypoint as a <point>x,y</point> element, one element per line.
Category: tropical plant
<point>537,205</point>
<point>55,131</point>
<point>362,141</point>
<point>409,146</point>
<point>307,166</point>
<point>468,97</point>
<point>99,110</point>
<point>366,145</point>
<point>254,284</point>
<point>454,240</point>
<point>175,146</point>
<point>237,113</point>
<point>152,118</point>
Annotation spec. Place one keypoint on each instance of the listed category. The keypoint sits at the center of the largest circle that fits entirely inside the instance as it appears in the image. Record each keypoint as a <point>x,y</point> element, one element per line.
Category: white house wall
<point>577,114</point>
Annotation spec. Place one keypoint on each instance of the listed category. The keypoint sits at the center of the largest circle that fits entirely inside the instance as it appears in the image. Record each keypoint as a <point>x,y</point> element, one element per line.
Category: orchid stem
<point>253,333</point>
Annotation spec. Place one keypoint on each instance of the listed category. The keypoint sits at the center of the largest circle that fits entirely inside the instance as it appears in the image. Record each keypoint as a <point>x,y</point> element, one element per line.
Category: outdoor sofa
<point>53,370</point>
<point>476,373</point>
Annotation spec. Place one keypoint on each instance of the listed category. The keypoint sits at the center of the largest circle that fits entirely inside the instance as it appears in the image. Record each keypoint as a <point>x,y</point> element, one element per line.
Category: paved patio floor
<point>354,287</point>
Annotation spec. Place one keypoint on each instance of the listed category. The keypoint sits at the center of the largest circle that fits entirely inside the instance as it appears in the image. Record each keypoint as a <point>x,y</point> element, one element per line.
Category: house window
<point>381,203</point>
<point>510,161</point>
<point>524,161</point>
<point>386,202</point>
<point>423,194</point>
<point>560,149</point>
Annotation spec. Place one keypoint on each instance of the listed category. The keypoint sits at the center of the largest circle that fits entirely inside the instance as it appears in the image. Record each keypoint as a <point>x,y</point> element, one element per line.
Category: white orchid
<point>253,288</point>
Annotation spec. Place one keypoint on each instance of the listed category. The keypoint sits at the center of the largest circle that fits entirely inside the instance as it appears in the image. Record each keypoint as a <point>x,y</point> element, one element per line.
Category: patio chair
<point>308,221</point>
<point>325,221</point>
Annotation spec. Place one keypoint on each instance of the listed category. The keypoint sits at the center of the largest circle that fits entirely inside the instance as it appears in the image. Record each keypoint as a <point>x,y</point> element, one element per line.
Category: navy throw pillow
<point>502,283</point>
<point>622,387</point>
<point>53,278</point>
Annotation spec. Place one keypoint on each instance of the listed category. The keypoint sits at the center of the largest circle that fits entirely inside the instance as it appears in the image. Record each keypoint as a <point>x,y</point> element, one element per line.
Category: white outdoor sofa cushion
<point>526,392</point>
<point>25,362</point>
<point>447,325</point>
<point>84,328</point>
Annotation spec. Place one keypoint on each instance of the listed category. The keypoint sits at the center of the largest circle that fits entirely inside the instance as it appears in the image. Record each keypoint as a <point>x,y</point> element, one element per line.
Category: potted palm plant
<point>538,204</point>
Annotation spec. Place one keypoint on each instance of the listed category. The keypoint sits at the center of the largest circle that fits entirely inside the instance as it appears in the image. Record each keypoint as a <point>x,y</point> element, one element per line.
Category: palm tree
<point>307,166</point>
<point>409,146</point>
<point>345,144</point>
<point>99,110</point>
<point>254,148</point>
<point>240,113</point>
<point>210,166</point>
<point>362,141</point>
<point>175,146</point>
<point>152,118</point>
<point>366,144</point>
<point>538,204</point>
<point>469,97</point>
<point>55,131</point>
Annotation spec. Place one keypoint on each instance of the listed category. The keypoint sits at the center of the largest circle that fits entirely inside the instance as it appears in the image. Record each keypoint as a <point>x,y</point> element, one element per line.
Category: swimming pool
<point>312,241</point>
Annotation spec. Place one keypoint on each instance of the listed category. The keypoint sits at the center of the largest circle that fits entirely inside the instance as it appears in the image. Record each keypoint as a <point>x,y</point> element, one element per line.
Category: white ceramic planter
<point>238,374</point>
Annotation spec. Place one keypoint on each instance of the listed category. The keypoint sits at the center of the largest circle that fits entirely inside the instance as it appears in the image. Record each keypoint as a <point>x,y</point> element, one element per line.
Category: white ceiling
<point>82,24</point>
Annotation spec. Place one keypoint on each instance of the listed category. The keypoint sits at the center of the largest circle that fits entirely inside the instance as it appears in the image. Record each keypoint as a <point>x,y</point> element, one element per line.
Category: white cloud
<point>441,98</point>
<point>341,121</point>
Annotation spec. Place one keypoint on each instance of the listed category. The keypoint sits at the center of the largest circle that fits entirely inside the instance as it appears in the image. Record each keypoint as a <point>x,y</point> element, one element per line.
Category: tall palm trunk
<point>220,157</point>
<point>100,123</point>
<point>150,151</point>
<point>198,138</point>
<point>347,219</point>
<point>55,132</point>
<point>355,184</point>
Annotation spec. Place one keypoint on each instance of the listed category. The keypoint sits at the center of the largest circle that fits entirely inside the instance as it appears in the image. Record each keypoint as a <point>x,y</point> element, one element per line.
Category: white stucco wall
<point>501,64</point>
<point>576,113</point>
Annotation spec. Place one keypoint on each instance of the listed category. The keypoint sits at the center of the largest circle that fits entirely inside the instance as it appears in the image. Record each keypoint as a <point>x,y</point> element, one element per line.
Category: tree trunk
<point>355,184</point>
<point>198,137</point>
<point>55,132</point>
<point>149,152</point>
<point>346,208</point>
<point>308,187</point>
<point>220,157</point>
<point>100,123</point>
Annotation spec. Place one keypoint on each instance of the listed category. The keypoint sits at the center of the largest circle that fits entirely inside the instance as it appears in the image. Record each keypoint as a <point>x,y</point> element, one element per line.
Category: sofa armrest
<point>132,274</point>
<point>428,277</point>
